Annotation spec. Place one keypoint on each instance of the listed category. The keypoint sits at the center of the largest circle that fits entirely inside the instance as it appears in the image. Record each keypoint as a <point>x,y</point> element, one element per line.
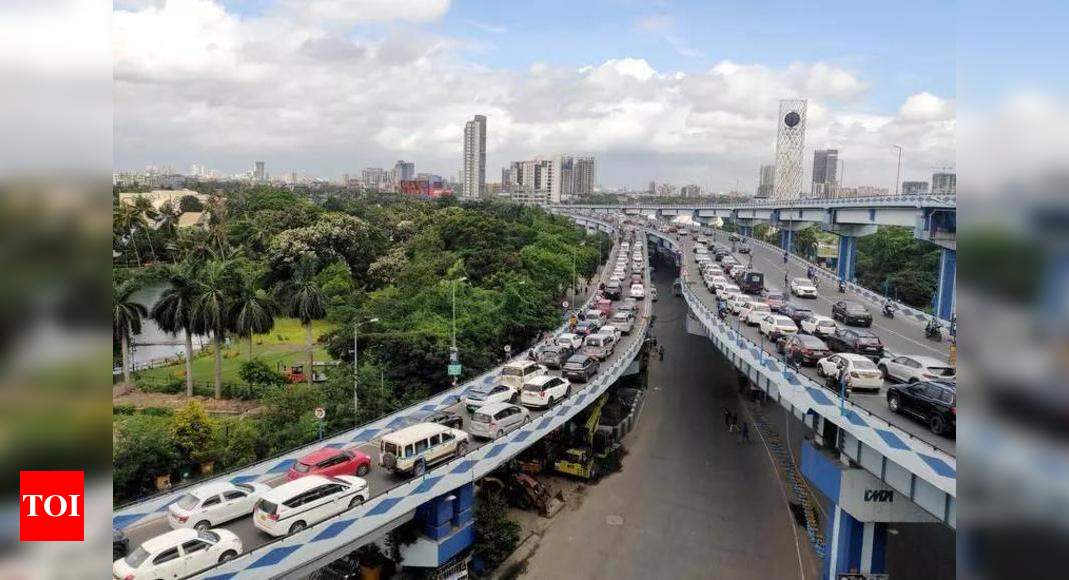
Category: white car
<point>818,325</point>
<point>775,325</point>
<point>484,393</point>
<point>803,288</point>
<point>861,372</point>
<point>177,554</point>
<point>638,291</point>
<point>612,329</point>
<point>740,301</point>
<point>497,419</point>
<point>572,341</point>
<point>727,290</point>
<point>754,312</point>
<point>700,249</point>
<point>295,505</point>
<point>595,315</point>
<point>545,391</point>
<point>910,368</point>
<point>718,281</point>
<point>212,504</point>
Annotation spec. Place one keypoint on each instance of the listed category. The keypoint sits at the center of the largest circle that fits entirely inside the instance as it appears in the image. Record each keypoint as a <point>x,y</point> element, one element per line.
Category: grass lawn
<point>284,344</point>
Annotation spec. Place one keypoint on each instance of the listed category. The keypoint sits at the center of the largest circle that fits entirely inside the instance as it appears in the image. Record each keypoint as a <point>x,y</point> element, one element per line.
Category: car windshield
<point>267,507</point>
<point>482,417</point>
<point>208,536</point>
<point>942,371</point>
<point>829,323</point>
<point>137,557</point>
<point>783,320</point>
<point>245,487</point>
<point>864,364</point>
<point>512,372</point>
<point>854,307</point>
<point>532,388</point>
<point>802,282</point>
<point>301,467</point>
<point>774,296</point>
<point>810,341</point>
<point>188,501</point>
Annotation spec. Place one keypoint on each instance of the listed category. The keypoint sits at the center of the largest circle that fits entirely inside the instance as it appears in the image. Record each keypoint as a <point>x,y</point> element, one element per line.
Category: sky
<point>679,92</point>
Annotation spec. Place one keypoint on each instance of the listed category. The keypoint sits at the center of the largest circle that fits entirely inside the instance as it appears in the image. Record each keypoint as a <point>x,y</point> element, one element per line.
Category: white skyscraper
<point>790,143</point>
<point>474,174</point>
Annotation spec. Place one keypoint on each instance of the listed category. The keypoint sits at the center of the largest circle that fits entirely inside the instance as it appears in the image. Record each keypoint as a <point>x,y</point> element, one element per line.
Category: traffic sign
<point>564,304</point>
<point>320,413</point>
<point>454,370</point>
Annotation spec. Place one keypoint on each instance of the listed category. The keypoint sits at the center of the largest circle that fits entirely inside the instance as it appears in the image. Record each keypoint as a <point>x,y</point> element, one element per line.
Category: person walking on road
<point>745,432</point>
<point>727,417</point>
<point>660,353</point>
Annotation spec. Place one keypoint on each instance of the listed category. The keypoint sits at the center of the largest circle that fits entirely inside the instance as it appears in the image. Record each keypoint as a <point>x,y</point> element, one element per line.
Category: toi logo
<point>51,506</point>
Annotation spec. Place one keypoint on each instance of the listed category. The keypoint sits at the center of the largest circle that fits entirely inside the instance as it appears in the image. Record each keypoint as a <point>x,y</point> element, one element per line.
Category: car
<point>447,418</point>
<point>587,327</point>
<point>638,291</point>
<point>735,237</point>
<point>120,544</point>
<point>744,249</point>
<point>553,355</point>
<point>911,368</point>
<point>818,325</point>
<point>636,278</point>
<point>595,314</point>
<point>775,325</point>
<point>726,290</point>
<point>484,393</point>
<point>851,312</point>
<point>600,345</point>
<point>331,461</point>
<point>795,312</point>
<point>545,391</point>
<point>569,340</point>
<point>295,505</point>
<point>515,373</point>
<point>740,301</point>
<point>754,312</point>
<point>209,505</point>
<point>855,340</point>
<point>415,448</point>
<point>624,321</point>
<point>581,367</point>
<point>804,349</point>
<point>861,372</point>
<point>803,288</point>
<point>178,554</point>
<point>653,293</point>
<point>628,305</point>
<point>495,420</point>
<point>934,402</point>
<point>774,299</point>
<point>750,281</point>
<point>700,249</point>
<point>718,281</point>
<point>613,290</point>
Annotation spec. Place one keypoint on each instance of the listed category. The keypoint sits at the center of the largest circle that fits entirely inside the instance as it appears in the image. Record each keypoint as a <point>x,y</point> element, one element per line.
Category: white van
<point>599,346</point>
<point>295,505</point>
<point>414,449</point>
<point>516,373</point>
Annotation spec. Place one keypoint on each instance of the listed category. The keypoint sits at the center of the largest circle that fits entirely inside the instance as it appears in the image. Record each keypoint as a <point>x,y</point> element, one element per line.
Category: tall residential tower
<point>474,177</point>
<point>790,142</point>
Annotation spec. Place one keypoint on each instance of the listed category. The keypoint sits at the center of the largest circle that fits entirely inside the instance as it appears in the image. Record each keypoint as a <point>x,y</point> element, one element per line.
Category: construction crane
<point>581,459</point>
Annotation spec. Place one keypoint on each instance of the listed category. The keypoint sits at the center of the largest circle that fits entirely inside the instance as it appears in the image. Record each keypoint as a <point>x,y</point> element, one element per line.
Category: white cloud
<point>654,22</point>
<point>353,11</point>
<point>926,107</point>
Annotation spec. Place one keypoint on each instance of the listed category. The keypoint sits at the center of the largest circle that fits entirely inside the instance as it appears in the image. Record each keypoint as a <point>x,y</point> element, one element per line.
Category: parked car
<point>851,312</point>
<point>569,340</point>
<point>613,290</point>
<point>120,544</point>
<point>803,349</point>
<point>446,418</point>
<point>861,372</point>
<point>331,461</point>
<point>413,449</point>
<point>497,419</point>
<point>653,293</point>
<point>581,367</point>
<point>545,391</point>
<point>754,312</point>
<point>295,505</point>
<point>638,291</point>
<point>586,327</point>
<point>599,346</point>
<point>554,355</point>
<point>775,300</point>
<point>803,288</point>
<point>177,554</point>
<point>624,321</point>
<point>818,325</point>
<point>795,312</point>
<point>934,402</point>
<point>855,340</point>
<point>912,368</point>
<point>484,393</point>
<point>515,373</point>
<point>776,325</point>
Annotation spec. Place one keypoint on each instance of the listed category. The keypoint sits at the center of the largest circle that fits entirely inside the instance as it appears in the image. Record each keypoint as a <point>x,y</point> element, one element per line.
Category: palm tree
<point>305,301</point>
<point>175,310</point>
<point>148,215</point>
<point>125,220</point>
<point>215,288</point>
<point>126,316</point>
<point>254,311</point>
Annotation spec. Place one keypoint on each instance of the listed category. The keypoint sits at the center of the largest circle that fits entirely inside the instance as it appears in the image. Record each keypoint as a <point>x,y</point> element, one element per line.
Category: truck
<point>752,282</point>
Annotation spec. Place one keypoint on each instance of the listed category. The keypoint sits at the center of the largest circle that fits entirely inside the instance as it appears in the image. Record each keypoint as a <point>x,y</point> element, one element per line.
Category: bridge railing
<point>918,201</point>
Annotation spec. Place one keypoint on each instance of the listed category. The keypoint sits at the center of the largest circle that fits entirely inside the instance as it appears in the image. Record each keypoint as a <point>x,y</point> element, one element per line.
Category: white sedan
<point>861,372</point>
<point>910,368</point>
<point>754,312</point>
<point>803,288</point>
<point>740,301</point>
<point>178,554</point>
<point>212,504</point>
<point>818,325</point>
<point>482,394</point>
<point>572,341</point>
<point>723,292</point>
<point>776,325</point>
<point>638,291</point>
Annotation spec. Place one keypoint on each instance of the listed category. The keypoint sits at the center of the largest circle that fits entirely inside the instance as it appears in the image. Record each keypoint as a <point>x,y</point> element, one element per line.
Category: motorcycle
<point>842,287</point>
<point>889,310</point>
<point>934,330</point>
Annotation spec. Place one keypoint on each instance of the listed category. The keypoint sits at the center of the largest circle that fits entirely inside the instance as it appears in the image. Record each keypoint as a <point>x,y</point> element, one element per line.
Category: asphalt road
<point>899,335</point>
<point>691,502</point>
<point>379,480</point>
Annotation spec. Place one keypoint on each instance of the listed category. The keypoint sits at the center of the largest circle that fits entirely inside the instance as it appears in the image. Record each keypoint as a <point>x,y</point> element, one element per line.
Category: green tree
<point>304,300</point>
<point>496,536</point>
<point>175,310</point>
<point>126,317</point>
<point>143,449</point>
<point>216,286</point>
<point>254,310</point>
<point>237,439</point>
<point>893,261</point>
<point>190,203</point>
<point>191,431</point>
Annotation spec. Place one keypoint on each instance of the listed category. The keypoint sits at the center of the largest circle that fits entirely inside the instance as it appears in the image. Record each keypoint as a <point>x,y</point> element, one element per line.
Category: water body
<point>152,343</point>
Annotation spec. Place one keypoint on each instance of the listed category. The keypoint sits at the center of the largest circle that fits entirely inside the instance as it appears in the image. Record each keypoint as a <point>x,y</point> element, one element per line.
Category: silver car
<point>494,420</point>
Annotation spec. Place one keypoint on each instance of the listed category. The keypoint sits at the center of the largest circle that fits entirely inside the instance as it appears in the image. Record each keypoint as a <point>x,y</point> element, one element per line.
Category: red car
<point>330,461</point>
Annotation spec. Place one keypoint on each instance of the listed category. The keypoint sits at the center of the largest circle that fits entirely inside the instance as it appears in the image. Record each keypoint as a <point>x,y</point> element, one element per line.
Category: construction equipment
<point>293,373</point>
<point>583,458</point>
<point>520,490</point>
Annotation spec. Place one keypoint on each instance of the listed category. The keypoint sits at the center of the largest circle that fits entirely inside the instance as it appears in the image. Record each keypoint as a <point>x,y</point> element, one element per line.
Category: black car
<point>855,340</point>
<point>803,348</point>
<point>581,367</point>
<point>744,249</point>
<point>120,545</point>
<point>554,355</point>
<point>445,418</point>
<point>933,402</point>
<point>613,290</point>
<point>795,312</point>
<point>851,312</point>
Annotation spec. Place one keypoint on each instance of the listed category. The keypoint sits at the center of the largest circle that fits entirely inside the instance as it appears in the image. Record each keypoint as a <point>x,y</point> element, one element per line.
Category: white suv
<point>295,505</point>
<point>910,368</point>
<point>178,554</point>
<point>414,449</point>
<point>545,391</point>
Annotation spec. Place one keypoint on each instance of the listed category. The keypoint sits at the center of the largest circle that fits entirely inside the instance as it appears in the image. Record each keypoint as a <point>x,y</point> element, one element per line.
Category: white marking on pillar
<point>868,537</point>
<point>834,542</point>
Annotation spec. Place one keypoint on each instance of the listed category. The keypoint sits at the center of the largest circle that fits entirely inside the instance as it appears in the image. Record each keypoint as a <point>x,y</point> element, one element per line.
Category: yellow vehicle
<point>581,459</point>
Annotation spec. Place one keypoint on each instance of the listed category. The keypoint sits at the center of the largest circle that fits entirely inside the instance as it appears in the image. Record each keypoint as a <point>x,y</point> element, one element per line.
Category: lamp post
<point>898,173</point>
<point>356,364</point>
<point>461,279</point>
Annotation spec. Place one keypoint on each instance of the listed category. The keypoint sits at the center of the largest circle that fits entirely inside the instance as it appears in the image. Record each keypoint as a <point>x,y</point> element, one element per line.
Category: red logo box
<point>51,506</point>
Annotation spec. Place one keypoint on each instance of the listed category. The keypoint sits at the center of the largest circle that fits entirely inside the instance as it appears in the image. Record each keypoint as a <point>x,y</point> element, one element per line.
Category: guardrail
<point>916,201</point>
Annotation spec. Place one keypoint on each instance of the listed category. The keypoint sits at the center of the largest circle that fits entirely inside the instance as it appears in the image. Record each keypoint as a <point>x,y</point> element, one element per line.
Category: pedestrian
<point>727,417</point>
<point>660,353</point>
<point>745,432</point>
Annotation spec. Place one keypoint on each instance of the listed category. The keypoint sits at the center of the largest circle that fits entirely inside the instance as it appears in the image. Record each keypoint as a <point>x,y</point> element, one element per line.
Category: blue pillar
<point>944,300</point>
<point>854,546</point>
<point>847,257</point>
<point>785,239</point>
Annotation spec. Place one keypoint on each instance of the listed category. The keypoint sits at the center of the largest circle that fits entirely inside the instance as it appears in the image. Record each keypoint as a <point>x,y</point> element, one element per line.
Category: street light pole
<point>455,310</point>
<point>898,173</point>
<point>356,365</point>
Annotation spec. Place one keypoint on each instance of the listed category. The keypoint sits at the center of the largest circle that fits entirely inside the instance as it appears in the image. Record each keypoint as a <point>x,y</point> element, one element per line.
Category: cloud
<point>654,22</point>
<point>353,11</point>
<point>926,107</point>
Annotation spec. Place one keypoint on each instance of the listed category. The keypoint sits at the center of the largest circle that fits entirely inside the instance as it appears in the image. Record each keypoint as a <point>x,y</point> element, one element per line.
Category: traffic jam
<point>329,481</point>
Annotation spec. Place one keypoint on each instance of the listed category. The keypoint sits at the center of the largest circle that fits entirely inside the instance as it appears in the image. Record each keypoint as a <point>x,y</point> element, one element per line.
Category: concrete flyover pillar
<point>944,294</point>
<point>786,239</point>
<point>848,235</point>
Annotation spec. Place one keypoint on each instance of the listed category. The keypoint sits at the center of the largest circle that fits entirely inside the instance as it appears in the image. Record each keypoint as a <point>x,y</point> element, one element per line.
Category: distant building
<point>375,178</point>
<point>863,191</point>
<point>259,174</point>
<point>666,190</point>
<point>914,187</point>
<point>423,188</point>
<point>790,144</point>
<point>691,190</point>
<point>159,197</point>
<point>944,184</point>
<point>766,181</point>
<point>404,171</point>
<point>584,172</point>
<point>474,162</point>
<point>825,172</point>
<point>652,189</point>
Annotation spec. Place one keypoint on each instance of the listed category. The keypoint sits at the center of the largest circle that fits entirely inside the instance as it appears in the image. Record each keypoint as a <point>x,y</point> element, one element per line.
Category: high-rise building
<point>652,189</point>
<point>293,177</point>
<point>914,187</point>
<point>944,184</point>
<point>375,178</point>
<point>474,184</point>
<point>790,143</point>
<point>766,181</point>
<point>403,171</point>
<point>691,190</point>
<point>259,173</point>
<point>584,173</point>
<point>825,171</point>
